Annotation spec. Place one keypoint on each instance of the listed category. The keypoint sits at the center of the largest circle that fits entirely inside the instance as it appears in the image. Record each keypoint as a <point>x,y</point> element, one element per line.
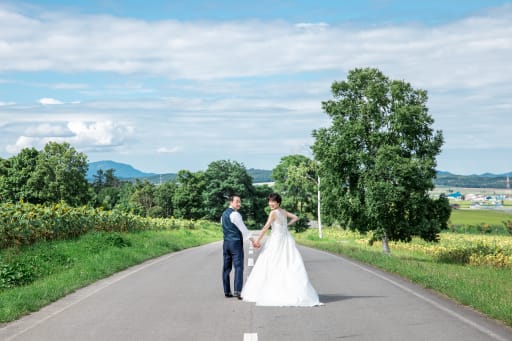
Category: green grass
<point>55,269</point>
<point>474,217</point>
<point>496,222</point>
<point>34,276</point>
<point>485,288</point>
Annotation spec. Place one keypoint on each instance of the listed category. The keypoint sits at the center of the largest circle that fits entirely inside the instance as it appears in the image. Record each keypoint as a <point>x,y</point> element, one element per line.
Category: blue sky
<point>170,85</point>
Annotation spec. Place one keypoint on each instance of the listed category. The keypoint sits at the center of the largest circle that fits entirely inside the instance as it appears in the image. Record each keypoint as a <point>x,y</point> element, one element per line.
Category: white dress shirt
<point>236,218</point>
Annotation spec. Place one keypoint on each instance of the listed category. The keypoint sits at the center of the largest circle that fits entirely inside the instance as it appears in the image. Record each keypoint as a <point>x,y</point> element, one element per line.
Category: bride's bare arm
<point>270,219</point>
<point>293,217</point>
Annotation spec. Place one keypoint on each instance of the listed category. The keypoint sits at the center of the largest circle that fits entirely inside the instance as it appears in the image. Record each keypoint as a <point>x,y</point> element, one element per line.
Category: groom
<point>235,232</point>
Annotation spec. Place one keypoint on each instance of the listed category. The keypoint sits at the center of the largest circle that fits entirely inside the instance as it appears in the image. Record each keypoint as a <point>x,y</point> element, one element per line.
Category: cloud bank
<point>248,86</point>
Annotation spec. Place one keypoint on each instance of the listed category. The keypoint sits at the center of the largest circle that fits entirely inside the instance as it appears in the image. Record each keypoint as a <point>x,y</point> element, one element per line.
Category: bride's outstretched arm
<point>293,217</point>
<point>270,219</point>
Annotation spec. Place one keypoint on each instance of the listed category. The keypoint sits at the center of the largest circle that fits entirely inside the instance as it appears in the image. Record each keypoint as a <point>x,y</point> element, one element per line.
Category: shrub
<point>12,275</point>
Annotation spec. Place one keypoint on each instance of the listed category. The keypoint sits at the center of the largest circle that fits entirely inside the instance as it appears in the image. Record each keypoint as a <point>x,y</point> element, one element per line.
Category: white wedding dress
<point>279,277</point>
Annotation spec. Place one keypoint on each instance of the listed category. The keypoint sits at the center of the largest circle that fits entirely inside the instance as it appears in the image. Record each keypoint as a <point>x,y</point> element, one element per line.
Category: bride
<point>279,277</point>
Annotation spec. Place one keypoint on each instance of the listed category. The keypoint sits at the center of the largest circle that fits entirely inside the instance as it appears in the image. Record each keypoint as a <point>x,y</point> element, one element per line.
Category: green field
<point>474,217</point>
<point>486,221</point>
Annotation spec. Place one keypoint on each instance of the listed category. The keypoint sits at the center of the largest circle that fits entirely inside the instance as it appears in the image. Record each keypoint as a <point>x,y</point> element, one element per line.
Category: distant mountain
<point>127,172</point>
<point>444,178</point>
<point>260,175</point>
<point>486,180</point>
<point>122,170</point>
<point>161,178</point>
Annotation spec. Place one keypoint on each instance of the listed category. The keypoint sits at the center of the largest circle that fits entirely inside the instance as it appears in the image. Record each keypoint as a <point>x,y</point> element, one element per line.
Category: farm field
<point>473,190</point>
<point>477,217</point>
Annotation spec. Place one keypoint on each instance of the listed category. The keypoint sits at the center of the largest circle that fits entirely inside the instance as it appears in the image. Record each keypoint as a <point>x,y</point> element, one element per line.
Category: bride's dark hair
<point>274,197</point>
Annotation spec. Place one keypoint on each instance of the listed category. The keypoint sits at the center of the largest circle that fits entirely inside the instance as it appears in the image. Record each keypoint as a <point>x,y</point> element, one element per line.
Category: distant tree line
<point>58,174</point>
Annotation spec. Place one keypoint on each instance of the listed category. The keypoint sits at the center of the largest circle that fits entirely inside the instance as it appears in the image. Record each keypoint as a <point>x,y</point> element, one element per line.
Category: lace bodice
<point>280,224</point>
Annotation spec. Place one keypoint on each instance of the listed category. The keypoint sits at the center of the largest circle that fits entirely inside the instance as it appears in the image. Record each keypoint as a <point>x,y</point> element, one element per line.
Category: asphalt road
<point>179,297</point>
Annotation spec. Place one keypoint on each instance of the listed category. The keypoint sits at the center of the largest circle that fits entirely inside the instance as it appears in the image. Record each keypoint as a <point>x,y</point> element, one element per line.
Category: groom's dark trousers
<point>233,256</point>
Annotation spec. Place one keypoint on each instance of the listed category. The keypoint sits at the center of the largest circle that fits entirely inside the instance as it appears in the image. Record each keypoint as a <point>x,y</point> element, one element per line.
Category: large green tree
<point>56,173</point>
<point>60,175</point>
<point>144,195</point>
<point>296,179</point>
<point>257,207</point>
<point>163,198</point>
<point>377,159</point>
<point>16,171</point>
<point>187,197</point>
<point>222,179</point>
<point>107,188</point>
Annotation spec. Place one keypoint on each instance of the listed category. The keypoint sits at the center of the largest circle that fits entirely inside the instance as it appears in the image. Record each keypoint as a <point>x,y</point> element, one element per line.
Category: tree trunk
<point>385,244</point>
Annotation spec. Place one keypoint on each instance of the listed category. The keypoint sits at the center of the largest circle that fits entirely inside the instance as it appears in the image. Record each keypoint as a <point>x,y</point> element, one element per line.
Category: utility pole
<point>318,210</point>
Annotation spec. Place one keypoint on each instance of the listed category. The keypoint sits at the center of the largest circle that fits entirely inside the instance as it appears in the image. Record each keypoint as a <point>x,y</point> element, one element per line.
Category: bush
<point>25,224</point>
<point>12,275</point>
<point>471,255</point>
<point>300,225</point>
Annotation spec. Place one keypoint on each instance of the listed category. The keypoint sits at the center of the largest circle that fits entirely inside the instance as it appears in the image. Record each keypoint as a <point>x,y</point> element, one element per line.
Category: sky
<point>172,85</point>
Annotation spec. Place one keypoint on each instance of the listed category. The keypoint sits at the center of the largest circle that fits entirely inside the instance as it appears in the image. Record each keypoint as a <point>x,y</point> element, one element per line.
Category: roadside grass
<point>485,288</point>
<point>48,271</point>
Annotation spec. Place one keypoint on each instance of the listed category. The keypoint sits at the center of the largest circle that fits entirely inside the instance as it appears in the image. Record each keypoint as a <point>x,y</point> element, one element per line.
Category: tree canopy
<point>296,179</point>
<point>56,173</point>
<point>378,158</point>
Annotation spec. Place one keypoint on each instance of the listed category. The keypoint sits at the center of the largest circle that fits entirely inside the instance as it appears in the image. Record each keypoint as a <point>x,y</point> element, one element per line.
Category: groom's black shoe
<point>228,295</point>
<point>237,295</point>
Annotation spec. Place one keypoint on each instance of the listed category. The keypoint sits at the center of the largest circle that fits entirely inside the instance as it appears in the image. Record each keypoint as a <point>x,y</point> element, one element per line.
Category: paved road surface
<point>179,297</point>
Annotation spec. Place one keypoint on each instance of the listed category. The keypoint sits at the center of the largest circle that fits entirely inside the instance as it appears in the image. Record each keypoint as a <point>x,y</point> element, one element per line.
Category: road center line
<point>250,337</point>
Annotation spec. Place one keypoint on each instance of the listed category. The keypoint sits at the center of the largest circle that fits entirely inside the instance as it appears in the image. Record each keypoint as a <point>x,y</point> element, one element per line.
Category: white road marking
<point>251,252</point>
<point>250,262</point>
<point>250,337</point>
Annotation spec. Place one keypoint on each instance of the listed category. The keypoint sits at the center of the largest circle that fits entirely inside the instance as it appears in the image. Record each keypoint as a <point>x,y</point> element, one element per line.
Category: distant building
<point>455,195</point>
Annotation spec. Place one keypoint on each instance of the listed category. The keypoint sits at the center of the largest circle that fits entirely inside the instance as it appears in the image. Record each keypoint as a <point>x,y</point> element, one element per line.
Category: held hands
<point>255,243</point>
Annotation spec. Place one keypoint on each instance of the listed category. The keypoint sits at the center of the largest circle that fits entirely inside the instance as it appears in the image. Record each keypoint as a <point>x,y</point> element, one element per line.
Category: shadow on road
<point>336,298</point>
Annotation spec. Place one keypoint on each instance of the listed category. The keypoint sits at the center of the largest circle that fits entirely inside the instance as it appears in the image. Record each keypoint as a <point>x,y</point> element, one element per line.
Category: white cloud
<point>249,84</point>
<point>470,52</point>
<point>22,142</point>
<point>99,135</point>
<point>103,133</point>
<point>69,86</point>
<point>48,130</point>
<point>166,150</point>
<point>49,101</point>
